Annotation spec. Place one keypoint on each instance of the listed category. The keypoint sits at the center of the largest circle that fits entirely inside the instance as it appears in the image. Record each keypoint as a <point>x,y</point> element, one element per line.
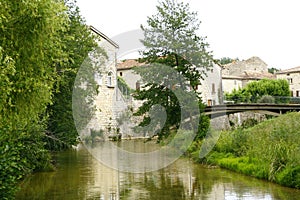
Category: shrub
<point>266,99</point>
<point>20,154</point>
<point>248,123</point>
<point>290,177</point>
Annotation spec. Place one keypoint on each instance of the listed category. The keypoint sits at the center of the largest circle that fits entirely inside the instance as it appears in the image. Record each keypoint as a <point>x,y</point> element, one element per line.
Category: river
<point>80,176</point>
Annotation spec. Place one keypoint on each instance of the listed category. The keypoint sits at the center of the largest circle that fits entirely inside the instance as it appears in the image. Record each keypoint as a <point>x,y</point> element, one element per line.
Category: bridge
<point>270,109</point>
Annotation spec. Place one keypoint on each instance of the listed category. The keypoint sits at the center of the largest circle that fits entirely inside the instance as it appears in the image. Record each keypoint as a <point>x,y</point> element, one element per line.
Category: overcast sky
<point>269,29</point>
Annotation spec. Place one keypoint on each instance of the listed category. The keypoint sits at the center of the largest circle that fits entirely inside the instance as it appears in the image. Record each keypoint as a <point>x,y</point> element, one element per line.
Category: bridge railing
<point>264,99</point>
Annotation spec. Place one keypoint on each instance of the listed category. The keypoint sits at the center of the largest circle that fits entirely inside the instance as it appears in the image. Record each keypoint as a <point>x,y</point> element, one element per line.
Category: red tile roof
<point>128,64</point>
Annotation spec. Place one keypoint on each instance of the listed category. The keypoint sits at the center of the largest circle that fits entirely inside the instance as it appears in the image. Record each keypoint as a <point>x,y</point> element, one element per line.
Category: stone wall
<point>252,65</point>
<point>106,78</point>
<point>231,121</point>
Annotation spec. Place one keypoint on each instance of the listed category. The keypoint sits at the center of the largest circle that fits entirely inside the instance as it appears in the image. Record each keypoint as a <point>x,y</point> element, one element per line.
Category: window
<point>292,93</point>
<point>137,86</point>
<point>290,80</point>
<point>213,89</point>
<point>209,102</point>
<point>109,79</point>
<point>121,74</point>
<point>297,93</point>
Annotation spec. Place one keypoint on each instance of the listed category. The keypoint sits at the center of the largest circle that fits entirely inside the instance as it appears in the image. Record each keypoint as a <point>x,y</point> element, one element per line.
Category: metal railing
<point>262,99</point>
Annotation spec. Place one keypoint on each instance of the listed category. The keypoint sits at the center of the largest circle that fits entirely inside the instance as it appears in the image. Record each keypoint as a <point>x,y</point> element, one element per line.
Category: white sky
<point>269,29</point>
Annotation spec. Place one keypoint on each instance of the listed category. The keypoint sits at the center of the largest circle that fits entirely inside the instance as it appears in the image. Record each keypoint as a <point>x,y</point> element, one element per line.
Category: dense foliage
<point>30,46</point>
<point>41,45</point>
<point>260,92</point>
<point>171,40</point>
<point>269,150</point>
<point>77,42</point>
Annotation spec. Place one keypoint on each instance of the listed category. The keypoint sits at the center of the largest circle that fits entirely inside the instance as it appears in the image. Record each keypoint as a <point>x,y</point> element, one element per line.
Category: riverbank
<point>269,150</point>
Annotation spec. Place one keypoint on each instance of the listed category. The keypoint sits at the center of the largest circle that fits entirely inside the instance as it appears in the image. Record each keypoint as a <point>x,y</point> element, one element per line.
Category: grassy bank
<point>269,150</point>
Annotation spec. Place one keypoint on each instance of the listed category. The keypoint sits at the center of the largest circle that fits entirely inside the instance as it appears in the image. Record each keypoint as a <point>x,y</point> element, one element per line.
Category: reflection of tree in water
<point>79,176</point>
<point>208,182</point>
<point>68,178</point>
<point>164,185</point>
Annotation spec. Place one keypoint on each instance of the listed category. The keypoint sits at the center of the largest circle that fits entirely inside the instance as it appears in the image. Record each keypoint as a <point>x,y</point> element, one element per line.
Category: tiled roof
<point>249,74</point>
<point>128,64</point>
<point>294,69</point>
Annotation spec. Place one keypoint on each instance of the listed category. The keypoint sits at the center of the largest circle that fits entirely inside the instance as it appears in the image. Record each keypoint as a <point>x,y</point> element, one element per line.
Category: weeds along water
<point>269,150</point>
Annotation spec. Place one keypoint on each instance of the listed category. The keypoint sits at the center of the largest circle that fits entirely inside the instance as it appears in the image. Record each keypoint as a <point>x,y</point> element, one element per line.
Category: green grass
<point>269,150</point>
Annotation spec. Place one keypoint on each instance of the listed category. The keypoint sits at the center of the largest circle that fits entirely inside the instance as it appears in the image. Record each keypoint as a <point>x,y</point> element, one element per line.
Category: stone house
<point>237,74</point>
<point>292,75</point>
<point>106,78</point>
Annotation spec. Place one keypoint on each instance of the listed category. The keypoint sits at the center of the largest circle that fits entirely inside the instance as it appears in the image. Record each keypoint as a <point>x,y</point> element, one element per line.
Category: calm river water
<point>80,176</point>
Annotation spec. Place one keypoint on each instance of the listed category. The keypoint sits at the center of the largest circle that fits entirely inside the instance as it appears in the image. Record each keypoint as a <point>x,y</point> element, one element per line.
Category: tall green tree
<point>42,45</point>
<point>77,42</point>
<point>171,39</point>
<point>30,47</point>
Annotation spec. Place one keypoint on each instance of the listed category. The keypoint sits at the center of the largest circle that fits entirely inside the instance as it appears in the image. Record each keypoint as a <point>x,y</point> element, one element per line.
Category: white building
<point>292,75</point>
<point>125,71</point>
<point>211,87</point>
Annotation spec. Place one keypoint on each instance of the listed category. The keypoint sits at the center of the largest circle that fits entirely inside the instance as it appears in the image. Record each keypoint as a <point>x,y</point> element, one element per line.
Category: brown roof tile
<point>128,64</point>
<point>248,74</point>
<point>294,69</point>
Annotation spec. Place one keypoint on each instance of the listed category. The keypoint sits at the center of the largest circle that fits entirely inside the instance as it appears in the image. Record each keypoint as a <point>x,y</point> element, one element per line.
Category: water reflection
<point>80,176</point>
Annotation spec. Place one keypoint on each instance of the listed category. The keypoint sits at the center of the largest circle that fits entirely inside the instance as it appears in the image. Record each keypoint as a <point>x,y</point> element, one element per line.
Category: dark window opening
<point>213,89</point>
<point>137,86</point>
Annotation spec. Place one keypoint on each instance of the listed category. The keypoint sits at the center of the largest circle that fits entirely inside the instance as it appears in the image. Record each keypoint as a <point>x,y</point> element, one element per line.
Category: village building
<point>292,76</point>
<point>210,88</point>
<point>238,74</point>
<point>126,72</point>
<point>105,76</point>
